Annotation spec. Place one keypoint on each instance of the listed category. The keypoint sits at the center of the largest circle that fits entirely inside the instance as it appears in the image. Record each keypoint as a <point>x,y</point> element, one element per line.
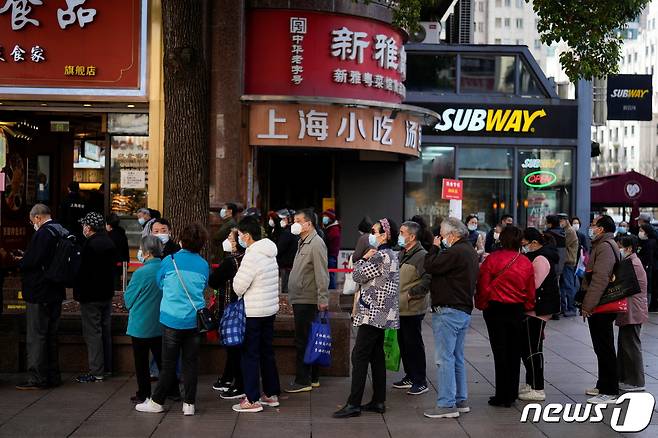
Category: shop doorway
<point>294,179</point>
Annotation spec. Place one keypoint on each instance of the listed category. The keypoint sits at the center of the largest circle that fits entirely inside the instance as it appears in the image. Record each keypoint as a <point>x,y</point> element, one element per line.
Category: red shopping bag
<point>619,306</point>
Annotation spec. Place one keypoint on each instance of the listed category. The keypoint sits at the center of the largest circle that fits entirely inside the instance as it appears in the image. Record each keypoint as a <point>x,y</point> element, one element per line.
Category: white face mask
<point>496,236</point>
<point>296,229</point>
<point>36,227</point>
<point>164,238</point>
<point>271,223</point>
<point>226,246</point>
<point>472,227</point>
<point>223,213</point>
<point>642,235</point>
<point>283,223</point>
<point>576,226</point>
<point>140,256</point>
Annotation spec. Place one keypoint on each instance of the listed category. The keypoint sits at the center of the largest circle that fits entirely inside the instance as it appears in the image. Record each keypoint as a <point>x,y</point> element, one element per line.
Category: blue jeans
<point>568,289</point>
<point>332,262</point>
<point>449,326</point>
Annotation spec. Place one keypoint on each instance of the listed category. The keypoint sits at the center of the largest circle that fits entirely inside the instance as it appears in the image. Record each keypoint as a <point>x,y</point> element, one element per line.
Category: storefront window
<point>431,73</point>
<point>423,178</point>
<point>129,180</point>
<point>89,171</point>
<point>487,175</point>
<point>489,74</point>
<point>545,185</point>
<point>528,83</point>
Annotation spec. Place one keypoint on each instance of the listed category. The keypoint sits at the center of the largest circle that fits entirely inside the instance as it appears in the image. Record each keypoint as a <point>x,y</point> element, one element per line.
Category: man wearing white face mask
<point>145,219</point>
<point>162,230</point>
<point>307,292</point>
<point>228,215</point>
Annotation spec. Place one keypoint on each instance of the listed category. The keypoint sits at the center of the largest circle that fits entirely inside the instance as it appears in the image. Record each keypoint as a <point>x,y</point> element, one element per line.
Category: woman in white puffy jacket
<point>257,282</point>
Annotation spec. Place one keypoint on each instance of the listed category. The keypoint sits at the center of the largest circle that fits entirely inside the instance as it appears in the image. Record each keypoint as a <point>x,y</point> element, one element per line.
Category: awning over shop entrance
<point>630,189</point>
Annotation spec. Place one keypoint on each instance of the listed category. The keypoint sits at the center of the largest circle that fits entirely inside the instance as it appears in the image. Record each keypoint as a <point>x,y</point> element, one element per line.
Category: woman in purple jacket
<point>630,366</point>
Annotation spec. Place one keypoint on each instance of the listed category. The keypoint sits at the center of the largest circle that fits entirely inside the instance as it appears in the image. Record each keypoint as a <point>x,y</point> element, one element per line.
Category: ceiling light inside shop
<point>86,104</point>
<point>44,104</point>
<point>131,106</point>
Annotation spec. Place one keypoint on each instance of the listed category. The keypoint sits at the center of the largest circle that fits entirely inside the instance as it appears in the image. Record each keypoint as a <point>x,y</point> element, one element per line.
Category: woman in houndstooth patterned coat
<point>378,309</point>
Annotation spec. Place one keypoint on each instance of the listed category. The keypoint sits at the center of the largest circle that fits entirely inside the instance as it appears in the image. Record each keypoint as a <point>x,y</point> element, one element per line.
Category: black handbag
<point>205,320</point>
<point>623,282</point>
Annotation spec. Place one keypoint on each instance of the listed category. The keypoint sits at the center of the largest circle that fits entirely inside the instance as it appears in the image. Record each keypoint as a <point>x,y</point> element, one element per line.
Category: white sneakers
<point>272,401</point>
<point>603,399</point>
<point>188,409</point>
<point>149,406</point>
<point>524,388</point>
<point>592,391</point>
<point>152,407</point>
<point>245,406</point>
<point>532,395</point>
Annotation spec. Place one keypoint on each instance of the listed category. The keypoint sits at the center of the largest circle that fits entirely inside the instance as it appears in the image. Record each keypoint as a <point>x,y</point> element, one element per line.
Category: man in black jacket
<point>454,274</point>
<point>491,243</point>
<point>161,229</point>
<point>94,289</point>
<point>43,302</point>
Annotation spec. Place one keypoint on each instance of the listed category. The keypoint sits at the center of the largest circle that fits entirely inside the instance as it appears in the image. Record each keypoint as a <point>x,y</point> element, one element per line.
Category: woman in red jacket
<point>505,291</point>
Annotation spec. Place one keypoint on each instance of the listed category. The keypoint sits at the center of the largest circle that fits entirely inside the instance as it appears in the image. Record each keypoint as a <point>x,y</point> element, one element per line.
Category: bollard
<point>124,276</point>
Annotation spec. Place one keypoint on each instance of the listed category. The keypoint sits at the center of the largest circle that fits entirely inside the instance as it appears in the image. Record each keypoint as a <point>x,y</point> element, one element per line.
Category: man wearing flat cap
<point>94,289</point>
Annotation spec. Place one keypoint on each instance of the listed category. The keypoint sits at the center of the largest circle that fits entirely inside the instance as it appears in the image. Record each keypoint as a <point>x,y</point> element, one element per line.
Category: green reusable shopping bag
<point>391,350</point>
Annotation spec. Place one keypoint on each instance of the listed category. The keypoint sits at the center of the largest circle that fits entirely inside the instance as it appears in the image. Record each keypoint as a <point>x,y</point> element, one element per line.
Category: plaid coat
<point>379,301</point>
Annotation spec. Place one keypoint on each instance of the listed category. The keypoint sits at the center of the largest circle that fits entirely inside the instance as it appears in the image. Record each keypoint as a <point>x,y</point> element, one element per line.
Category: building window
<point>610,133</point>
<point>519,23</point>
<point>499,3</point>
<point>481,6</point>
<point>652,49</point>
<point>635,56</point>
<point>537,44</point>
<point>625,131</point>
<point>498,22</point>
<point>434,73</point>
<point>602,134</point>
<point>507,22</point>
<point>519,42</point>
<point>629,58</point>
<point>633,130</point>
<point>632,152</point>
<point>625,152</point>
<point>508,3</point>
<point>488,74</point>
<point>497,41</point>
<point>422,194</point>
<point>481,26</point>
<point>520,3</point>
<point>646,50</point>
<point>616,134</point>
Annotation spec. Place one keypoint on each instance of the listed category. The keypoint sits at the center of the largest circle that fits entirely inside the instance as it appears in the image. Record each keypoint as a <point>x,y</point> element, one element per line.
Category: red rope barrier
<point>138,265</point>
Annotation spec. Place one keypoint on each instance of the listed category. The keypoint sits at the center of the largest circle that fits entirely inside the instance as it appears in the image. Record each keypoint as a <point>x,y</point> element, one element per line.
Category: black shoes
<point>378,408</point>
<point>347,411</point>
<point>493,401</point>
<point>31,386</point>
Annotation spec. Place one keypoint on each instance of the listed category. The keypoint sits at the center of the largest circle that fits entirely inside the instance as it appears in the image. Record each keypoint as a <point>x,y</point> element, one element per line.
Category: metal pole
<point>584,150</point>
<point>124,275</point>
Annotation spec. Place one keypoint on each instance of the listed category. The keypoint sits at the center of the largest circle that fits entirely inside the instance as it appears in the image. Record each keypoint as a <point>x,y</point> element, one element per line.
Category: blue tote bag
<point>318,349</point>
<point>233,324</point>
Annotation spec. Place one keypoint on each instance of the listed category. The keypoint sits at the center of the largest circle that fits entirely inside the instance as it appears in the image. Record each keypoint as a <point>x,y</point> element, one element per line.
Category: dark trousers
<point>141,348</point>
<point>412,348</point>
<point>97,331</point>
<point>630,364</point>
<point>368,349</point>
<point>603,341</point>
<point>532,351</point>
<point>332,263</point>
<point>233,368</point>
<point>304,314</point>
<point>42,322</point>
<point>258,359</point>
<point>173,343</point>
<point>505,325</point>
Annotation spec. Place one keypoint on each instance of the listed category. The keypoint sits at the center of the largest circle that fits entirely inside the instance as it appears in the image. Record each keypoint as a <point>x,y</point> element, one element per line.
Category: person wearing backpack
<point>43,299</point>
<point>94,289</point>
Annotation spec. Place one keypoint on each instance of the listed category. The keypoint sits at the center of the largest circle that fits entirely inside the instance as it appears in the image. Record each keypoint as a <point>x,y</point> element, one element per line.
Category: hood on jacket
<point>57,227</point>
<point>557,231</point>
<point>265,247</point>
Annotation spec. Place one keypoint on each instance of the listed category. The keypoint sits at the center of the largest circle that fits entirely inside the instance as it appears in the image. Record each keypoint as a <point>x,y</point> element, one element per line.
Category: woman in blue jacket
<point>142,299</point>
<point>183,278</point>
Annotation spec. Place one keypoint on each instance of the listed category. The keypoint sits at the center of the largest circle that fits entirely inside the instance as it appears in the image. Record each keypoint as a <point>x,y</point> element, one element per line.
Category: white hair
<point>452,225</point>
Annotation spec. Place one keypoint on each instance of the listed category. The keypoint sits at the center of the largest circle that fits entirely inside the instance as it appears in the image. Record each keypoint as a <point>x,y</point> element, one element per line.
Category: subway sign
<point>515,121</point>
<point>629,97</point>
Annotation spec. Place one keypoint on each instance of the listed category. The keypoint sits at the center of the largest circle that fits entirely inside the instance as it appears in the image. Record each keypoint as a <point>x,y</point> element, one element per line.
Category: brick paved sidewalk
<point>104,409</point>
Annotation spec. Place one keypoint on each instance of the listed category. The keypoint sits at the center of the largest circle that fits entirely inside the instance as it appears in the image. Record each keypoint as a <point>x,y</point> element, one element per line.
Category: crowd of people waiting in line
<point>519,278</point>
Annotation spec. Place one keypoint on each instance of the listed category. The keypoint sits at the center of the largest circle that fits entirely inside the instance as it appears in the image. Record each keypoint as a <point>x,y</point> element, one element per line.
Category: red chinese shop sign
<point>302,53</point>
<point>73,47</point>
<point>452,189</point>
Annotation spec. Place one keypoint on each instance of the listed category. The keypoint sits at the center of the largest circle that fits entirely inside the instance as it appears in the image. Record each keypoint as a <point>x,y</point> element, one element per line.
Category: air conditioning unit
<point>430,32</point>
